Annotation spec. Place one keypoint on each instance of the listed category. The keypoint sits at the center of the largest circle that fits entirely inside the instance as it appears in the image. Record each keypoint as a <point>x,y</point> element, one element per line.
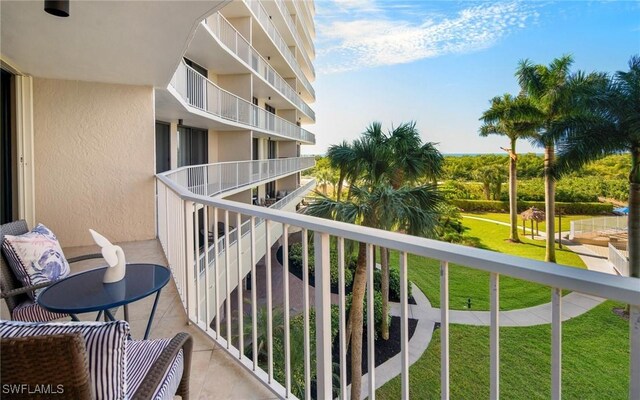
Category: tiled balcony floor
<point>214,374</point>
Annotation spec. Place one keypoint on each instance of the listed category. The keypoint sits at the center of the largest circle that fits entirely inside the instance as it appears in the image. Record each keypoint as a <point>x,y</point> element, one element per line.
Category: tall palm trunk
<point>549,202</point>
<point>356,316</point>
<point>384,269</point>
<point>513,193</point>
<point>341,178</point>
<point>634,214</point>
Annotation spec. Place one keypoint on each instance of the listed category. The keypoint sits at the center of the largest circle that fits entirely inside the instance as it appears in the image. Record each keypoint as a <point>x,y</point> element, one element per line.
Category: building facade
<point>95,104</point>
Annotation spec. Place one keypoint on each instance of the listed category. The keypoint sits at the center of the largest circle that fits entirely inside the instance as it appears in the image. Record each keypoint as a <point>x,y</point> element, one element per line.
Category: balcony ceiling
<point>127,42</point>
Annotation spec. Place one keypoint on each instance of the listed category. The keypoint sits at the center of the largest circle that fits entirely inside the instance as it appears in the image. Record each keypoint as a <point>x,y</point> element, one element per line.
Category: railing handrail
<point>185,167</point>
<point>624,289</point>
<point>304,135</point>
<point>283,86</point>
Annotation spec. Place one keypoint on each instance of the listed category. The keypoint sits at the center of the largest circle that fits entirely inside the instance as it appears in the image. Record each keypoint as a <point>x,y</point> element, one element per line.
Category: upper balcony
<point>283,10</point>
<point>262,16</point>
<point>206,99</point>
<point>303,25</point>
<point>233,41</point>
<point>308,8</point>
<point>226,178</point>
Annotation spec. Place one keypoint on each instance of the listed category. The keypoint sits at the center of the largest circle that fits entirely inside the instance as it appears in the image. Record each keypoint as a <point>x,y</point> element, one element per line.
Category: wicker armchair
<point>63,367</point>
<point>20,305</point>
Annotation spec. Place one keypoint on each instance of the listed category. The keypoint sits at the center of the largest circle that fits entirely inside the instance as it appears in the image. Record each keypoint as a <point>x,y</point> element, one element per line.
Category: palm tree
<point>515,118</point>
<point>375,202</point>
<point>341,158</point>
<point>611,125</point>
<point>409,160</point>
<point>553,90</point>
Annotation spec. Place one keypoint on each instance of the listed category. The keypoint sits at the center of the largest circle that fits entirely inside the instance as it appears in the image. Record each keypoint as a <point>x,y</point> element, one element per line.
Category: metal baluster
<point>494,333</point>
<point>556,344</point>
<point>444,330</point>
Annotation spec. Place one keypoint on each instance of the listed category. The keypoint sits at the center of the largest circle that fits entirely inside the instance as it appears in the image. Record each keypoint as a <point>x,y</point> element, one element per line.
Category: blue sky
<point>440,62</point>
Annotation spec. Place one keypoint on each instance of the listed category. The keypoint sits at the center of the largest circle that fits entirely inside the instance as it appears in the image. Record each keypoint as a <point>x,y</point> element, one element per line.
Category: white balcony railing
<point>205,294</point>
<point>304,30</point>
<point>213,179</point>
<point>201,93</point>
<point>619,259</point>
<point>236,43</point>
<point>292,26</point>
<point>262,16</point>
<point>207,258</point>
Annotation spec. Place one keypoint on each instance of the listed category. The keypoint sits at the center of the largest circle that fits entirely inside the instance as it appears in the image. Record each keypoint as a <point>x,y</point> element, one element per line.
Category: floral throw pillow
<point>35,257</point>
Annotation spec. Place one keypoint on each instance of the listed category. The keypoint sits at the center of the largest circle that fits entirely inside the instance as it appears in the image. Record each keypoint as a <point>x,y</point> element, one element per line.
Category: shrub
<point>295,264</point>
<point>503,206</point>
<point>394,283</point>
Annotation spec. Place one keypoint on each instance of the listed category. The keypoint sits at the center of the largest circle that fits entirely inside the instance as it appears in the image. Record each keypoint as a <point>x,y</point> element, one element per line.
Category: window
<point>163,147</point>
<point>192,146</point>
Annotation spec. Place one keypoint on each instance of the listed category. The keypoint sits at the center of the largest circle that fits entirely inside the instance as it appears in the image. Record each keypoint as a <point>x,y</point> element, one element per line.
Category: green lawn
<point>503,217</point>
<point>595,344</point>
<point>595,362</point>
<point>465,283</point>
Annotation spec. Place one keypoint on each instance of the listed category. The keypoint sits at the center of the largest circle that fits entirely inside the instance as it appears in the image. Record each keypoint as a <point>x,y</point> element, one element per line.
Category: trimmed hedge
<point>295,264</point>
<point>503,206</point>
<point>394,283</point>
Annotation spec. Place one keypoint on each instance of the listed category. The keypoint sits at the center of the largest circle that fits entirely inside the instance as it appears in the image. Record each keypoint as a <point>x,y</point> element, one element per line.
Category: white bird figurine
<point>113,255</point>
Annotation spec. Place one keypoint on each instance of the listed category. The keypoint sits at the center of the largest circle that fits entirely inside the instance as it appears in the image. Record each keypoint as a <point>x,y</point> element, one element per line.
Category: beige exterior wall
<point>234,146</point>
<point>288,114</point>
<point>287,148</point>
<point>240,85</point>
<point>288,183</point>
<point>94,160</point>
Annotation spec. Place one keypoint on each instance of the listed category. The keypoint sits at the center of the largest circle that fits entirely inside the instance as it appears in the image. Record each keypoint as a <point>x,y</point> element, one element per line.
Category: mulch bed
<point>384,349</point>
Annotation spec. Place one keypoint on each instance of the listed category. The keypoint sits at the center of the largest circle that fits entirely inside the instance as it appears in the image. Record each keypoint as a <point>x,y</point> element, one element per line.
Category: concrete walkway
<point>573,304</point>
<point>417,344</point>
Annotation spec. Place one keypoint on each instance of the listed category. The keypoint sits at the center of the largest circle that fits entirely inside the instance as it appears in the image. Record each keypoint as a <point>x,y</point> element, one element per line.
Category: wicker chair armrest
<point>24,289</point>
<point>84,257</point>
<point>150,383</point>
<point>61,362</point>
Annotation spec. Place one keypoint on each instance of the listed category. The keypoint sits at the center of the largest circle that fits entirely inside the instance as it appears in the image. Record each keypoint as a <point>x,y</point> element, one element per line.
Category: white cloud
<point>370,37</point>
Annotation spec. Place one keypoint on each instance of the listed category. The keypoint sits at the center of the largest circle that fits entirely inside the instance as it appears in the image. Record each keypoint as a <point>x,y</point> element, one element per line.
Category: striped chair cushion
<point>105,343</point>
<point>141,354</point>
<point>28,311</point>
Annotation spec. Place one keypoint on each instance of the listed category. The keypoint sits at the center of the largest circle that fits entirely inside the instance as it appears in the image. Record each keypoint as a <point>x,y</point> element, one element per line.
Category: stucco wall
<point>94,160</point>
<point>234,146</point>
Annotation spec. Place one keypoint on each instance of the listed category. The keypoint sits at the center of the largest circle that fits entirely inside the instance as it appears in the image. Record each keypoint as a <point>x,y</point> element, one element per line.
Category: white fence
<point>212,179</point>
<point>598,226</point>
<point>178,228</point>
<point>619,259</point>
<point>234,41</point>
<point>201,93</point>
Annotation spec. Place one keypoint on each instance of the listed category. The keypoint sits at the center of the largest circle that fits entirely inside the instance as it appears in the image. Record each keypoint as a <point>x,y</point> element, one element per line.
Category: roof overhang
<point>127,42</point>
